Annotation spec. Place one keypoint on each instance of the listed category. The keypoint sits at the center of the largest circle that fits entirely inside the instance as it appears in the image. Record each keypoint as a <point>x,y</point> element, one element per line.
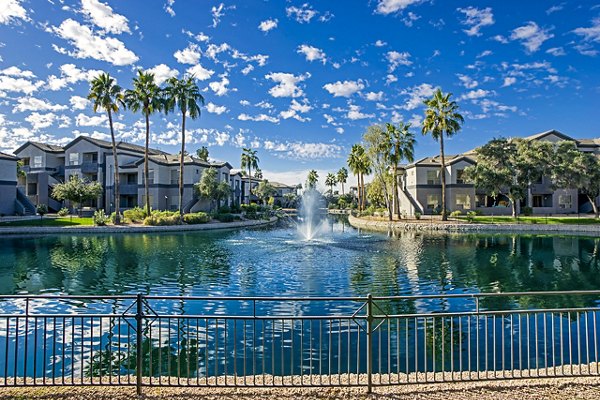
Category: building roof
<point>435,161</point>
<point>282,185</point>
<point>120,145</point>
<point>4,156</point>
<point>173,160</point>
<point>48,148</point>
<point>548,133</point>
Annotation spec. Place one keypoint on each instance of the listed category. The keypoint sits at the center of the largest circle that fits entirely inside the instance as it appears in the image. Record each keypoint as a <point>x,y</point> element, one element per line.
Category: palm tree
<point>249,161</point>
<point>341,177</point>
<point>145,97</point>
<point>312,179</point>
<point>185,95</point>
<point>258,173</point>
<point>107,95</point>
<point>359,164</point>
<point>442,118</point>
<point>330,181</point>
<point>403,144</point>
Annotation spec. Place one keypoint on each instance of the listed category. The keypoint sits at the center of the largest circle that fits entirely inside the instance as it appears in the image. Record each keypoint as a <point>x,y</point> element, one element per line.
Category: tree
<point>185,95</point>
<point>145,97</point>
<point>376,193</point>
<point>497,171</point>
<point>342,177</point>
<point>249,161</point>
<point>577,170</point>
<point>442,118</point>
<point>77,190</point>
<point>108,96</point>
<point>535,159</point>
<point>312,179</point>
<point>208,187</point>
<point>202,153</point>
<point>258,173</point>
<point>330,181</point>
<point>378,147</point>
<point>224,191</point>
<point>403,145</point>
<point>264,191</point>
<point>359,164</point>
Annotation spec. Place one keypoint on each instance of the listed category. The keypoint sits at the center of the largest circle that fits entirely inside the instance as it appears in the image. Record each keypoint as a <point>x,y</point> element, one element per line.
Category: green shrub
<point>100,218</point>
<point>342,203</point>
<point>161,220</point>
<point>417,215</point>
<point>527,211</point>
<point>113,217</point>
<point>331,206</point>
<point>135,214</point>
<point>41,209</point>
<point>63,212</point>
<point>471,215</point>
<point>251,208</point>
<point>225,217</point>
<point>196,218</point>
<point>455,213</point>
<point>235,209</point>
<point>224,210</point>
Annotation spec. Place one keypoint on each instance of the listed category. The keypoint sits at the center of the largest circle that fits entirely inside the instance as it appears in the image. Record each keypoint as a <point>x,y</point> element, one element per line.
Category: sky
<point>301,80</point>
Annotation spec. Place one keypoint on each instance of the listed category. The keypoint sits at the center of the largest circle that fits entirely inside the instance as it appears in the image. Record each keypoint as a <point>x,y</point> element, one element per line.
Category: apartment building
<point>421,190</point>
<point>8,184</point>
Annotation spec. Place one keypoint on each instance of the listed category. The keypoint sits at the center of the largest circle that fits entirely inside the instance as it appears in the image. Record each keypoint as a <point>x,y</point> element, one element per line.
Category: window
<point>90,157</point>
<point>542,200</point>
<point>459,176</point>
<point>564,201</point>
<point>74,159</point>
<point>174,177</point>
<point>25,161</point>
<point>463,202</point>
<point>37,162</point>
<point>150,177</point>
<point>433,201</point>
<point>433,177</point>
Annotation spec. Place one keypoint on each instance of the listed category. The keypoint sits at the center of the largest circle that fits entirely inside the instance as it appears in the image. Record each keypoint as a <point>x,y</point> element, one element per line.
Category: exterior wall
<point>84,168</point>
<point>8,186</point>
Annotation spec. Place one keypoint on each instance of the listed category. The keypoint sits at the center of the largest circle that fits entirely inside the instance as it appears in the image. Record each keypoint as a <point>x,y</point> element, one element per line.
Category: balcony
<point>89,167</point>
<point>128,189</point>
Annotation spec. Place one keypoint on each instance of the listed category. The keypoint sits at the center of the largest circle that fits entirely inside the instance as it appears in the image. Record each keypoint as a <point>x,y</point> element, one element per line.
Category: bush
<point>135,214</point>
<point>196,218</point>
<point>471,216</point>
<point>100,218</point>
<point>63,212</point>
<point>331,206</point>
<point>225,217</point>
<point>235,209</point>
<point>162,218</point>
<point>113,217</point>
<point>41,209</point>
<point>224,210</point>
<point>342,203</point>
<point>455,213</point>
<point>527,211</point>
<point>417,215</point>
<point>251,208</point>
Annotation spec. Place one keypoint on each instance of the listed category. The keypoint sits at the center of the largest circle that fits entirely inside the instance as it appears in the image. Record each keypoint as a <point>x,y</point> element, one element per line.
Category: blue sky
<point>301,80</point>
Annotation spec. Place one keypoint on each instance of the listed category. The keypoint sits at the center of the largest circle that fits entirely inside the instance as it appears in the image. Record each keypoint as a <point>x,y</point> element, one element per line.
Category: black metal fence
<point>319,341</point>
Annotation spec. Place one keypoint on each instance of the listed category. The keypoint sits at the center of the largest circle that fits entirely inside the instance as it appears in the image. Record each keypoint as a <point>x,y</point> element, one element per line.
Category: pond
<point>277,261</point>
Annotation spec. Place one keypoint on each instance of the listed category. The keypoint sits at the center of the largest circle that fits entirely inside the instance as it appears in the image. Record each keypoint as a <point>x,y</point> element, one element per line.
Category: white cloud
<point>258,118</point>
<point>17,72</point>
<point>218,12</point>
<point>12,10</point>
<point>509,81</point>
<point>476,94</point>
<point>345,88</point>
<point>354,113</point>
<point>169,7</point>
<point>497,108</point>
<point>33,104</point>
<point>69,74</point>
<point>410,19</point>
<point>287,84</point>
<point>102,15</point>
<point>214,109</point>
<point>476,19</point>
<point>297,108</point>
<point>22,85</point>
<point>416,95</point>
<point>302,14</point>
<point>556,51</point>
<point>484,53</point>
<point>96,120</point>
<point>247,69</point>
<point>391,6</point>
<point>467,81</point>
<point>268,25</point>
<point>395,59</point>
<point>200,73</point>
<point>374,96</point>
<point>380,43</point>
<point>590,34</point>
<point>40,121</point>
<point>79,103</point>
<point>390,79</point>
<point>531,36</point>
<point>89,45</point>
<point>220,87</point>
<point>190,55</point>
<point>162,72</point>
<point>312,53</point>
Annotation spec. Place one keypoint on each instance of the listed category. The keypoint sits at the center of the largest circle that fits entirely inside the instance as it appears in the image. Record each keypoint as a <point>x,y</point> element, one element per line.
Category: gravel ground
<point>557,388</point>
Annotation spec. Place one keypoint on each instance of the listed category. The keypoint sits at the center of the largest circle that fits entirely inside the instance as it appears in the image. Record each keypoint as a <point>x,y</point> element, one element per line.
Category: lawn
<point>62,221</point>
<point>486,219</point>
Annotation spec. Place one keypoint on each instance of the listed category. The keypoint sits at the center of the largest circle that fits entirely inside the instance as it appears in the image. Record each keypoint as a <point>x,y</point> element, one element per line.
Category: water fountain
<point>310,221</point>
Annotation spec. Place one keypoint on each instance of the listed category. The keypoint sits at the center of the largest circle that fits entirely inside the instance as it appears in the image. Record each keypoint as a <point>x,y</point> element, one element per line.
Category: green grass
<point>63,221</point>
<point>486,219</point>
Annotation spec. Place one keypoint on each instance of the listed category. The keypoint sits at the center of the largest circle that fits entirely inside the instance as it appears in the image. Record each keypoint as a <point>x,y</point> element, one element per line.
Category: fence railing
<point>296,341</point>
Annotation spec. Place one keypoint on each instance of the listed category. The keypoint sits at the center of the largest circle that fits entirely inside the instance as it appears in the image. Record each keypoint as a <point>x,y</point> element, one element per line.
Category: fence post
<point>139,339</point>
<point>369,343</point>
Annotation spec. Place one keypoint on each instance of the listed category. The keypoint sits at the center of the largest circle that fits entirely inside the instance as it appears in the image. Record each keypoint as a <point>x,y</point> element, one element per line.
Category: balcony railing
<point>89,167</point>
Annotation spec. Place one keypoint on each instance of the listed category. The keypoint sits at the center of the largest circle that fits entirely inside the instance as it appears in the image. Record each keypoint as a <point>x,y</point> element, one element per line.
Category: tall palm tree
<point>185,95</point>
<point>312,179</point>
<point>359,164</point>
<point>249,161</point>
<point>442,118</point>
<point>403,148</point>
<point>341,177</point>
<point>145,97</point>
<point>258,173</point>
<point>108,96</point>
<point>330,180</point>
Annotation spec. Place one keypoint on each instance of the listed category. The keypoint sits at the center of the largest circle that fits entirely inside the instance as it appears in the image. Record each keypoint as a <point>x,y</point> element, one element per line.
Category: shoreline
<point>465,227</point>
<point>112,229</point>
